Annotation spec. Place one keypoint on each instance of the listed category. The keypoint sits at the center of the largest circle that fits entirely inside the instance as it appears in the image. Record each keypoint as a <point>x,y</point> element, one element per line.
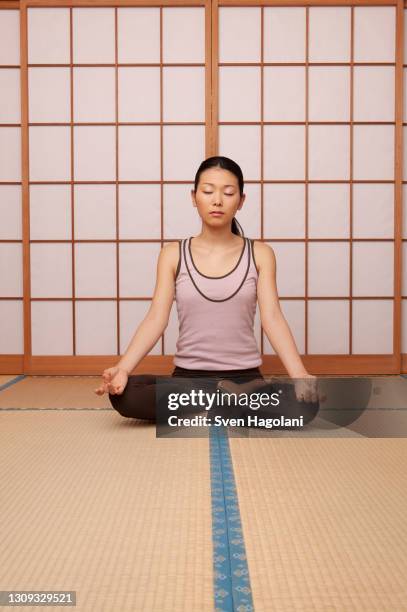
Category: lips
<point>216,214</point>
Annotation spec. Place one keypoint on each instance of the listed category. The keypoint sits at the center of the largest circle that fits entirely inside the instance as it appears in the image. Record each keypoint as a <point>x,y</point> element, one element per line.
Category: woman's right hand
<point>114,381</point>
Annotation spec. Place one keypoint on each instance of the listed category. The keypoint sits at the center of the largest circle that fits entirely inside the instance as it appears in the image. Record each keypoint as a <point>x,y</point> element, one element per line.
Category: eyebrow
<point>214,185</point>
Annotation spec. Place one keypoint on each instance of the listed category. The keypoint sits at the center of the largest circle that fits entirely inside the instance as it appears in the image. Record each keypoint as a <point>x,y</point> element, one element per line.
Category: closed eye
<point>227,194</point>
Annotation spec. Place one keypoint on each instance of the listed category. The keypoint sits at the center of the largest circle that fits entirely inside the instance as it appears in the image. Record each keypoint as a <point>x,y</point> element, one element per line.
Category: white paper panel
<point>138,34</point>
<point>284,152</point>
<point>50,153</point>
<point>328,210</point>
<point>372,316</point>
<point>375,28</point>
<point>139,153</point>
<point>184,150</point>
<point>171,332</point>
<point>139,211</point>
<point>51,328</point>
<point>10,105</point>
<point>183,34</point>
<point>95,270</point>
<point>10,154</point>
<point>49,92</point>
<point>284,93</point>
<point>181,217</point>
<point>95,153</point>
<point>184,94</point>
<point>94,95</point>
<point>50,212</point>
<point>48,35</point>
<point>284,34</point>
<point>10,212</point>
<point>51,270</point>
<point>374,90</point>
<point>373,156</point>
<point>329,34</point>
<point>329,93</point>
<point>131,315</point>
<point>257,328</point>
<point>11,327</point>
<point>233,106</point>
<point>9,37</point>
<point>242,144</point>
<point>284,210</point>
<point>93,35</point>
<point>329,147</point>
<point>328,327</point>
<point>138,268</point>
<point>293,311</point>
<point>139,94</point>
<point>328,269</point>
<point>373,268</point>
<point>290,266</point>
<point>11,269</point>
<point>95,212</point>
<point>239,34</point>
<point>96,328</point>
<point>373,210</point>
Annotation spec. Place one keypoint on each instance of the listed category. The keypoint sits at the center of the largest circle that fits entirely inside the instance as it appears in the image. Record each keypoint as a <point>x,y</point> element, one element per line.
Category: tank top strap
<point>183,250</point>
<point>254,264</point>
<point>180,257</point>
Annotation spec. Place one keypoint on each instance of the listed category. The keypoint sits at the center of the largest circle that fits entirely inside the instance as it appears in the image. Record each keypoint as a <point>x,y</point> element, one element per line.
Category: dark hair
<point>227,164</point>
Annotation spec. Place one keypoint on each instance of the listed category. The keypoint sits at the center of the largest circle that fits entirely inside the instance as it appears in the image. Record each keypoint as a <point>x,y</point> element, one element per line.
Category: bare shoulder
<point>169,256</point>
<point>264,255</point>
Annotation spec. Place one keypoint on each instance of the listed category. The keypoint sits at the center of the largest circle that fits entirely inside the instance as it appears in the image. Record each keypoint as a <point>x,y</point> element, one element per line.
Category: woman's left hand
<point>306,389</point>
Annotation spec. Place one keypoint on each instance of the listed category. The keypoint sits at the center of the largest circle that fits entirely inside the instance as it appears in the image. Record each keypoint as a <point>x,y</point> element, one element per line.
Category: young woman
<point>216,278</point>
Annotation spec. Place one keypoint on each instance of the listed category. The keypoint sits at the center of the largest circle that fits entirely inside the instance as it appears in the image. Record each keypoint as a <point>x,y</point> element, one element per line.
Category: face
<point>218,190</point>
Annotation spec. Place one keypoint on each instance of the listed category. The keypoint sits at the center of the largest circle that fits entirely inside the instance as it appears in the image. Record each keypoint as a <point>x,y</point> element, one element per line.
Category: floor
<point>97,504</point>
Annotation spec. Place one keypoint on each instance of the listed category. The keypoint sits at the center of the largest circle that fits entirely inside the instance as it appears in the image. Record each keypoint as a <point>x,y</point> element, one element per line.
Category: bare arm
<point>272,318</point>
<point>156,319</point>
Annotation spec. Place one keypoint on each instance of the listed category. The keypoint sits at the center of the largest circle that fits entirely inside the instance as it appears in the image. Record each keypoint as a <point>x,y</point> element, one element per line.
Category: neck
<point>216,236</point>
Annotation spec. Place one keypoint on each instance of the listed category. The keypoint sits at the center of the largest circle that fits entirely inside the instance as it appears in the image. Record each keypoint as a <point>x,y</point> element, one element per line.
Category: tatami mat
<point>96,503</point>
<point>54,392</point>
<point>324,523</point>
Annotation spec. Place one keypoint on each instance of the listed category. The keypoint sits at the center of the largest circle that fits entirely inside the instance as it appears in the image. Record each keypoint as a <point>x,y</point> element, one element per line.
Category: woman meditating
<point>217,278</point>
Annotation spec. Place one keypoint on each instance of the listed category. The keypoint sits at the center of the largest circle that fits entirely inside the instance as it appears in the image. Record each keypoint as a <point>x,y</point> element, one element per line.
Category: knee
<point>295,409</point>
<point>119,405</point>
<point>136,401</point>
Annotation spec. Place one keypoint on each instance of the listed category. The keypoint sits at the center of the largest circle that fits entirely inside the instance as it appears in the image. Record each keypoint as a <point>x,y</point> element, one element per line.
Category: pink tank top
<point>216,314</point>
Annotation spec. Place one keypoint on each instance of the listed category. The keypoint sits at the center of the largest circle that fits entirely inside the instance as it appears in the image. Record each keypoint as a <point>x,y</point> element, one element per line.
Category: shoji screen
<point>404,226</point>
<point>117,120</point>
<point>11,251</point>
<point>306,105</point>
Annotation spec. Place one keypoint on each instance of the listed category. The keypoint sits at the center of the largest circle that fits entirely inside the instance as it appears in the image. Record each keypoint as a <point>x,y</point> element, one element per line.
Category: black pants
<point>138,399</point>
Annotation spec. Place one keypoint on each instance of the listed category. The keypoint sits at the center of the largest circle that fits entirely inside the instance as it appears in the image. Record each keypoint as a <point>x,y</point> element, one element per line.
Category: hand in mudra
<point>306,389</point>
<point>114,381</point>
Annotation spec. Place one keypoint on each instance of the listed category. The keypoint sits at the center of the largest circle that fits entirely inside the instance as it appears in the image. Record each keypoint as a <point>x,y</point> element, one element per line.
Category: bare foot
<point>231,387</point>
